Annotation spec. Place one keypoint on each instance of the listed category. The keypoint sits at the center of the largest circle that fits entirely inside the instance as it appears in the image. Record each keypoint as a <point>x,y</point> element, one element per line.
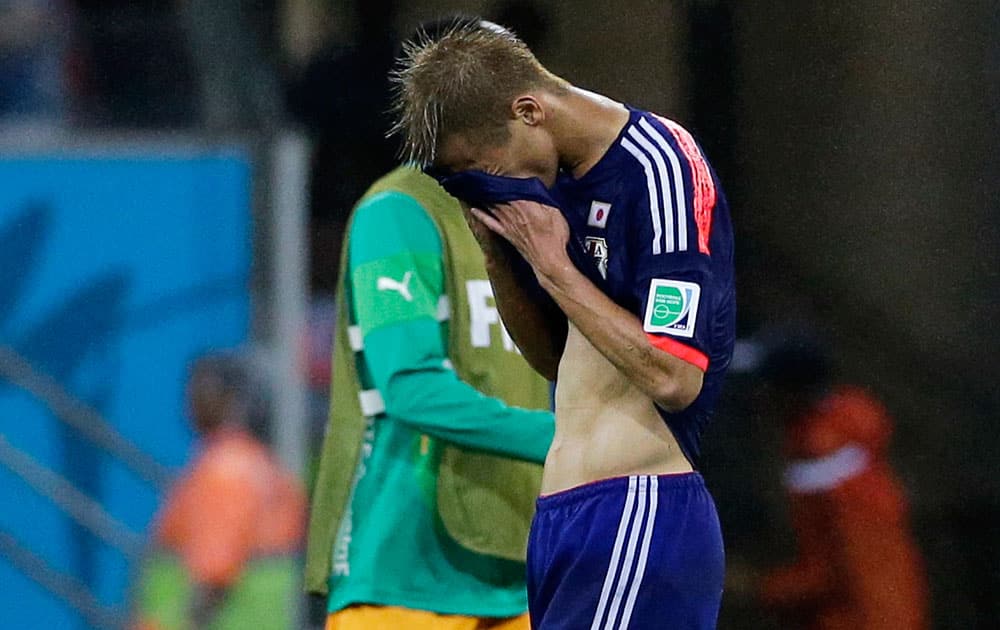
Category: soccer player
<point>438,427</point>
<point>626,534</point>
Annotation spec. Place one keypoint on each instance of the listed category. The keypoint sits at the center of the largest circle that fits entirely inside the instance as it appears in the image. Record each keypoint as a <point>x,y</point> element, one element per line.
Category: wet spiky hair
<point>461,79</point>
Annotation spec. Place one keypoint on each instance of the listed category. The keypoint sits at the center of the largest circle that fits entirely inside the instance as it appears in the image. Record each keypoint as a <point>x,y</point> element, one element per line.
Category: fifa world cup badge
<point>672,307</point>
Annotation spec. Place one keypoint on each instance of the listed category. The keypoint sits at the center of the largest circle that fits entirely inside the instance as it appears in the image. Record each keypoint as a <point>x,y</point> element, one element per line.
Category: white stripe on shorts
<point>626,579</point>
<point>609,577</point>
<point>647,537</point>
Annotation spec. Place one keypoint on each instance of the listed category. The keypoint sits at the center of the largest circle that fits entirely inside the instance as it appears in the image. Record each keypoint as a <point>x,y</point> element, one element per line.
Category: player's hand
<point>488,240</point>
<point>538,232</point>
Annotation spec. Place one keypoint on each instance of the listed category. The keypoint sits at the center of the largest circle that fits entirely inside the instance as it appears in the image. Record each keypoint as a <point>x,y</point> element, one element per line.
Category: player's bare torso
<point>605,426</point>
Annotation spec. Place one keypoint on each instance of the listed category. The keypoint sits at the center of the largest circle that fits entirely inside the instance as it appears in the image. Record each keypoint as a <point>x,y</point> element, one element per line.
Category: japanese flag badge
<point>599,212</point>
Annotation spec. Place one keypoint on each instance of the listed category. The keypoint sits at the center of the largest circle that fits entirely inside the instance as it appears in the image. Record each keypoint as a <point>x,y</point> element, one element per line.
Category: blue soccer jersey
<point>653,217</point>
<point>650,226</point>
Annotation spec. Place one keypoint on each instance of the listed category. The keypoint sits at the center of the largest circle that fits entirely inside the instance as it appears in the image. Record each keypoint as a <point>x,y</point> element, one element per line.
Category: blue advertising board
<point>115,272</point>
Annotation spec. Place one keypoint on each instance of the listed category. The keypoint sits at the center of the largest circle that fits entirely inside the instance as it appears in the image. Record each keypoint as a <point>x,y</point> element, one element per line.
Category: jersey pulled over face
<point>654,220</point>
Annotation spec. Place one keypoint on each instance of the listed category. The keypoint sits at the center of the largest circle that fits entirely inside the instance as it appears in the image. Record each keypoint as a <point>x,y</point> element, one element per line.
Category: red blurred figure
<point>858,566</point>
<point>234,521</point>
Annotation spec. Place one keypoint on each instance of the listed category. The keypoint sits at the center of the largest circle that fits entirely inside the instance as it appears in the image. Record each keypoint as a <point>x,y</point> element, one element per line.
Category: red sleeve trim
<point>703,186</point>
<point>679,350</point>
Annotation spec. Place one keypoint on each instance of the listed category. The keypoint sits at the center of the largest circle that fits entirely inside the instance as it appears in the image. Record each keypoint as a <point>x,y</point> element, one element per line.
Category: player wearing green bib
<point>421,501</point>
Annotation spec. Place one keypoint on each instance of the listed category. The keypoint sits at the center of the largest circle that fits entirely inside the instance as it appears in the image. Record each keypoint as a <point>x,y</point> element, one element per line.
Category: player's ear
<point>528,110</point>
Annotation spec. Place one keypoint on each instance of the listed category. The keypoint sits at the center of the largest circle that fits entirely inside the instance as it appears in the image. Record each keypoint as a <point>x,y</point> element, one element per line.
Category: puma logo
<point>403,287</point>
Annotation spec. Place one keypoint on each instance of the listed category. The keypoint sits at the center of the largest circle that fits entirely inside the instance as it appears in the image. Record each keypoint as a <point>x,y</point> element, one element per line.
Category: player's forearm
<point>205,603</point>
<point>617,334</point>
<point>795,585</point>
<point>538,328</point>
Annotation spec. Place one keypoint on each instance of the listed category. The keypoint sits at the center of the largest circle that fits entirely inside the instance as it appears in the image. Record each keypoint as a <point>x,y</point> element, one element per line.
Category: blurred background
<point>175,176</point>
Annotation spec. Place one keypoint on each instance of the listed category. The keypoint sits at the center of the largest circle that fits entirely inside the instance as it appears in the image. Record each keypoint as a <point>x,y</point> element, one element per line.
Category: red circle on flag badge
<point>600,214</point>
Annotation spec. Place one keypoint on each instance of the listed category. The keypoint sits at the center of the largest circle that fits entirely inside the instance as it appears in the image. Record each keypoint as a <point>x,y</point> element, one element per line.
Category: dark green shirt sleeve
<point>397,279</point>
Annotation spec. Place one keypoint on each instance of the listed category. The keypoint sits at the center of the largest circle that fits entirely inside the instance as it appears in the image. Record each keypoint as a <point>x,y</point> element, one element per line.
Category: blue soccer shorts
<point>641,552</point>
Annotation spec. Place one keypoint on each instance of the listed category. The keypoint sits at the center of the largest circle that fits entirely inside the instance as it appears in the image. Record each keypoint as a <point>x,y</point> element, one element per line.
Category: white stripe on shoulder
<point>372,403</point>
<point>654,200</point>
<point>665,195</point>
<point>680,200</point>
<point>612,573</point>
<point>647,537</point>
<point>627,575</point>
<point>355,338</point>
<point>443,309</point>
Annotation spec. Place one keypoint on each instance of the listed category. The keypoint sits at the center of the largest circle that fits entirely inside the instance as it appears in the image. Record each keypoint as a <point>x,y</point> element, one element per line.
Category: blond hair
<point>462,81</point>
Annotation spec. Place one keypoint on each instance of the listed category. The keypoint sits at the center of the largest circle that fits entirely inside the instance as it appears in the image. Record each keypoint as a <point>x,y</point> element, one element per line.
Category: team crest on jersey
<point>672,307</point>
<point>599,212</point>
<point>598,248</point>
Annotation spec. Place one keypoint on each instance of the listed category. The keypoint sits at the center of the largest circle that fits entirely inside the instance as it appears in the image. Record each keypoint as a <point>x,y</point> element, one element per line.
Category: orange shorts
<point>364,617</point>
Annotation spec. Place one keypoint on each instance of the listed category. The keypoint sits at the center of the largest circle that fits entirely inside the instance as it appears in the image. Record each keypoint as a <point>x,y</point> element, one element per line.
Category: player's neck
<point>586,127</point>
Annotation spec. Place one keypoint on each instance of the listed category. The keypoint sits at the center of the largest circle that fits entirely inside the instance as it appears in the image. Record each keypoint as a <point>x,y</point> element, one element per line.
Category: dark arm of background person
<point>205,603</point>
<point>533,320</point>
<point>812,576</point>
